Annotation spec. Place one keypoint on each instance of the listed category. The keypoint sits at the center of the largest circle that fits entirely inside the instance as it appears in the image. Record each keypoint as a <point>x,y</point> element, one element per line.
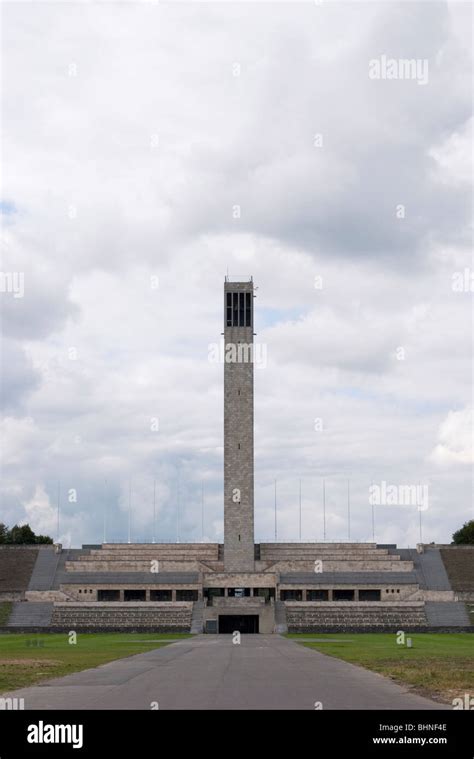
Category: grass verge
<point>440,665</point>
<point>27,659</point>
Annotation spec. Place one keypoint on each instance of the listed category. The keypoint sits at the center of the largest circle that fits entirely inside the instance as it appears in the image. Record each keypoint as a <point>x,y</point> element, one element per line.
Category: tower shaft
<point>238,427</point>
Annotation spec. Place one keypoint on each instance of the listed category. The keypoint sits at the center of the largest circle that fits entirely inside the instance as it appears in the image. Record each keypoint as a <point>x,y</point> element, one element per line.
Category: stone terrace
<point>287,557</point>
<point>125,557</point>
<point>459,563</point>
<point>159,617</point>
<point>307,617</point>
<point>16,567</point>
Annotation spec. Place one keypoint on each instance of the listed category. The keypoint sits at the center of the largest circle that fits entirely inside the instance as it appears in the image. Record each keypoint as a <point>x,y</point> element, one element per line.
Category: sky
<point>149,149</point>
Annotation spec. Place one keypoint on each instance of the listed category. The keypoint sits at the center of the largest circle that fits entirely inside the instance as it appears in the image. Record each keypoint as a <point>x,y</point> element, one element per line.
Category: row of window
<point>323,595</point>
<point>136,594</point>
<point>239,309</point>
<point>239,592</point>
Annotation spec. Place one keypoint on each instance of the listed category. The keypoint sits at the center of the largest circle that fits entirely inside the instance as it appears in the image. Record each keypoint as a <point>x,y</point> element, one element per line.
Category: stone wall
<point>309,617</point>
<point>341,564</point>
<point>432,595</point>
<point>16,566</point>
<point>95,565</point>
<point>46,595</point>
<point>76,592</point>
<point>243,606</point>
<point>334,557</point>
<point>6,595</point>
<point>459,564</point>
<point>160,617</point>
<point>396,592</point>
<point>239,580</point>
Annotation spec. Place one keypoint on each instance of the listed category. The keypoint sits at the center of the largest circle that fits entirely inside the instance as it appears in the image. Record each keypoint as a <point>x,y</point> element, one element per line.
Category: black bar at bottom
<point>314,733</point>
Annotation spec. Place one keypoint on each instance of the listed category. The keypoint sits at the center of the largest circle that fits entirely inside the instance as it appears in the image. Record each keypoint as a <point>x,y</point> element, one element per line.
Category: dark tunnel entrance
<point>243,623</point>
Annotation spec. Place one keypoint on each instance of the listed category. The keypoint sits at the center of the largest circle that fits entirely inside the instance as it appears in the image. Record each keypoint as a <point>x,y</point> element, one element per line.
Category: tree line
<point>21,535</point>
<point>24,535</point>
<point>465,536</point>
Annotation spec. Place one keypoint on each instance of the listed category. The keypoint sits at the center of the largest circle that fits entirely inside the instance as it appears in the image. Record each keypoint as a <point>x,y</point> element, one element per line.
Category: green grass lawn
<point>5,609</point>
<point>440,665</point>
<point>26,659</point>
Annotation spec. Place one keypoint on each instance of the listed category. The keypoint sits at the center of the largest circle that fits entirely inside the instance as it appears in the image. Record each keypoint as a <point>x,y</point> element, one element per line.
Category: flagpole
<point>130,511</point>
<point>324,509</point>
<point>154,511</point>
<point>348,509</point>
<point>177,507</point>
<point>300,511</point>
<point>105,512</point>
<point>202,512</point>
<point>57,520</point>
<point>275,511</point>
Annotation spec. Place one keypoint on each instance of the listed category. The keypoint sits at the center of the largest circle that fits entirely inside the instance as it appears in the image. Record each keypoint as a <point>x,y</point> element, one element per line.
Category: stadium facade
<point>237,585</point>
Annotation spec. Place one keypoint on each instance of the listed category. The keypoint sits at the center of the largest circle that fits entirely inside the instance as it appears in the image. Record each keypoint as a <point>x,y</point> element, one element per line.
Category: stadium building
<point>238,585</point>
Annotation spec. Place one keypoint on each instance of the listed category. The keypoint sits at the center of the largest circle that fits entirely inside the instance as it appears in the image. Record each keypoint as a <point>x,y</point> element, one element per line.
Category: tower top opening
<point>240,278</point>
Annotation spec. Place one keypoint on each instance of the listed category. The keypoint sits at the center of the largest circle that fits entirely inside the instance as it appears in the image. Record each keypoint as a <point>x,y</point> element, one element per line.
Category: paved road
<point>211,672</point>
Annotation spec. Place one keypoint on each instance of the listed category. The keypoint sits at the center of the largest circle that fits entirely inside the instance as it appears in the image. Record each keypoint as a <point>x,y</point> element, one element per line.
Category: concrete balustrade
<point>340,565</point>
<point>131,566</point>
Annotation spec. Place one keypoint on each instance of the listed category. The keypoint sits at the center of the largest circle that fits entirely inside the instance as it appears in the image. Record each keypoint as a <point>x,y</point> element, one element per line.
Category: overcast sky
<point>150,148</point>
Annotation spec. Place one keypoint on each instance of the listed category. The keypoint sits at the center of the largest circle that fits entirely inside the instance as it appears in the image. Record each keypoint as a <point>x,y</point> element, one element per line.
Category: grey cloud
<point>226,140</point>
<point>18,378</point>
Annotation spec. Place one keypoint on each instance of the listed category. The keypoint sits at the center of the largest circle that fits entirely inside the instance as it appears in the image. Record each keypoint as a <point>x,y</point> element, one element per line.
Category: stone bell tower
<point>238,427</point>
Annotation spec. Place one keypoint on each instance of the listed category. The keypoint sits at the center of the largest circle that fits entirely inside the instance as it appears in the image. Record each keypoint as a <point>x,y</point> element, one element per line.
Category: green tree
<point>23,535</point>
<point>43,539</point>
<point>465,536</point>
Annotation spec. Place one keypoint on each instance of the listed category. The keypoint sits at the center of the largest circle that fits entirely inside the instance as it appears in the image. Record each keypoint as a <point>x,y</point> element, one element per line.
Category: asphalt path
<point>212,672</point>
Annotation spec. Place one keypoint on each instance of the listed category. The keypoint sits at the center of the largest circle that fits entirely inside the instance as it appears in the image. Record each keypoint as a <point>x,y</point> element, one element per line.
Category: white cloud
<point>454,156</point>
<point>455,437</point>
<point>41,515</point>
<point>101,209</point>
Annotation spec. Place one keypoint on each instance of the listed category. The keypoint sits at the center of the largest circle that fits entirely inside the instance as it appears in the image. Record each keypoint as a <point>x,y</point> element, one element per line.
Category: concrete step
<point>447,613</point>
<point>428,566</point>
<point>197,624</point>
<point>44,571</point>
<point>29,614</point>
